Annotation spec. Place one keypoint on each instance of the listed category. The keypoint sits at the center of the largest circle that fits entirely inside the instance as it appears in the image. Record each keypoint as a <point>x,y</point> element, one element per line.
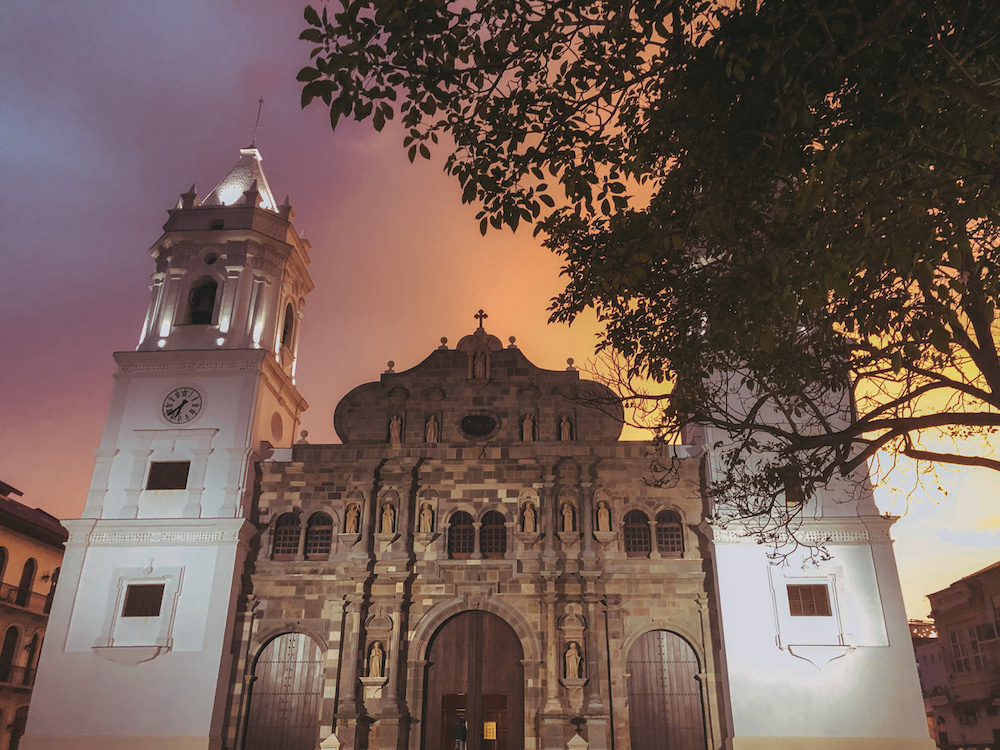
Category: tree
<point>798,199</point>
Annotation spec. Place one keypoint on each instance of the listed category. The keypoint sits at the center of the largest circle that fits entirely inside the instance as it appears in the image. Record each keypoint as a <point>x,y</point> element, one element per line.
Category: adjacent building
<point>960,673</point>
<point>31,551</point>
<point>481,545</point>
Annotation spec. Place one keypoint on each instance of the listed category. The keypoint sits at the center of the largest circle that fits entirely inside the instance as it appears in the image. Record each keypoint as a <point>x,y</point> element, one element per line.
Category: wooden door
<point>285,695</point>
<point>474,670</point>
<point>664,695</point>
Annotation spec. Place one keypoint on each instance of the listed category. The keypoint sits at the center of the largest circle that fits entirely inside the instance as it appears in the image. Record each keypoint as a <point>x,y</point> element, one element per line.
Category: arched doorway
<point>285,695</point>
<point>664,695</point>
<point>474,671</point>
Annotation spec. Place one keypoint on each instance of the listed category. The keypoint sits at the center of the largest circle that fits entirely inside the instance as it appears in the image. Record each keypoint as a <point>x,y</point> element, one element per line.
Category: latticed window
<point>636,530</point>
<point>286,536</point>
<point>669,536</point>
<point>461,536</point>
<point>809,600</point>
<point>319,535</point>
<point>493,535</point>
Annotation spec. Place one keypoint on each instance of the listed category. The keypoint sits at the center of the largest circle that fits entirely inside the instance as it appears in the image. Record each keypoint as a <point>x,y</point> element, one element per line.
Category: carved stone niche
<point>572,655</point>
<point>427,525</point>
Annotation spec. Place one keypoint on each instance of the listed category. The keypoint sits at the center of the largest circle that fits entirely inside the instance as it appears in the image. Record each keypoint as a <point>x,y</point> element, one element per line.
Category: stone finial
<point>444,343</point>
<point>251,196</point>
<point>390,364</point>
<point>569,364</point>
<point>285,210</point>
<point>302,437</point>
<point>512,344</point>
<point>190,198</point>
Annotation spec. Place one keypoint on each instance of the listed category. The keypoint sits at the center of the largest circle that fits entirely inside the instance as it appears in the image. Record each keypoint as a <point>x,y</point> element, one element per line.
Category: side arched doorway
<point>664,694</point>
<point>285,695</point>
<point>474,671</point>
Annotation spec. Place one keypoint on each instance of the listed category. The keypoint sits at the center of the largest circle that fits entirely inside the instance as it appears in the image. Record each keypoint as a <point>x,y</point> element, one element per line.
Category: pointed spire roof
<point>246,175</point>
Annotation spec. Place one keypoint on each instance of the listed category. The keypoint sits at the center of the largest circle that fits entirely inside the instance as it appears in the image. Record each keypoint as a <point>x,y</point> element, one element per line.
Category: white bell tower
<point>137,651</point>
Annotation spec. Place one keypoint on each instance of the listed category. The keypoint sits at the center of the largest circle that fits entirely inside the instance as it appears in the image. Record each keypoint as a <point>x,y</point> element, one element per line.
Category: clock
<point>181,405</point>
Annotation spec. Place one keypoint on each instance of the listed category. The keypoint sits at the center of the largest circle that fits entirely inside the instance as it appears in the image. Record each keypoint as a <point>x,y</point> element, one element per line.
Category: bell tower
<point>138,644</point>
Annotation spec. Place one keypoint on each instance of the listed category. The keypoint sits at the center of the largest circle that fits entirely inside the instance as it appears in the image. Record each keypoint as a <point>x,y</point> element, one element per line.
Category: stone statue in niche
<point>388,519</point>
<point>353,515</point>
<point>603,517</point>
<point>425,523</point>
<point>431,430</point>
<point>567,517</point>
<point>479,365</point>
<point>528,428</point>
<point>565,429</point>
<point>376,660</point>
<point>395,429</point>
<point>530,520</point>
<point>571,661</point>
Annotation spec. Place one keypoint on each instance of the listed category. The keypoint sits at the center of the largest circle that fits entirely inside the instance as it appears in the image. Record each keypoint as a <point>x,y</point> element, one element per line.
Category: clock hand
<point>177,410</point>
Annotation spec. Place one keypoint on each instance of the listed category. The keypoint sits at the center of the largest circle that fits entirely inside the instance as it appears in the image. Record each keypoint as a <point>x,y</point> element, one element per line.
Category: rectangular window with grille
<point>143,600</point>
<point>168,475</point>
<point>669,539</point>
<point>809,600</point>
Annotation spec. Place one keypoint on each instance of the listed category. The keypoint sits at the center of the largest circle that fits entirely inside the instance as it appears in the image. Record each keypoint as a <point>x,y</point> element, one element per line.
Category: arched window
<point>669,534</point>
<point>319,536</point>
<point>461,536</point>
<point>27,581</point>
<point>288,326</point>
<point>7,653</point>
<point>29,663</point>
<point>637,542</point>
<point>493,535</point>
<point>52,590</point>
<point>201,301</point>
<point>286,537</point>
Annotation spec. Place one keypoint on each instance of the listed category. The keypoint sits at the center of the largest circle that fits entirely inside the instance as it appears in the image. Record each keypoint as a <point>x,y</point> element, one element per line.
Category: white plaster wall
<point>870,691</point>
<point>175,694</point>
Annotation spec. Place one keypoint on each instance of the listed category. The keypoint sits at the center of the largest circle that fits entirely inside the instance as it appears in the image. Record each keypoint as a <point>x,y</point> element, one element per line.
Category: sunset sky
<point>110,109</point>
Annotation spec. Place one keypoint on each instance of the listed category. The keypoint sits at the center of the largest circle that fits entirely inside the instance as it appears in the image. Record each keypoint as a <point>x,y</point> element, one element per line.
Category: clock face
<point>181,405</point>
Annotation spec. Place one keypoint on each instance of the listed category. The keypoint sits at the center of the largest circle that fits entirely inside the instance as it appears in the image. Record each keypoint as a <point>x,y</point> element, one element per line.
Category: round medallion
<point>181,405</point>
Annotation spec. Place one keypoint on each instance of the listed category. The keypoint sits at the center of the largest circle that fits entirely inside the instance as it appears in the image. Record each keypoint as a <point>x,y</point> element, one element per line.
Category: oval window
<point>478,425</point>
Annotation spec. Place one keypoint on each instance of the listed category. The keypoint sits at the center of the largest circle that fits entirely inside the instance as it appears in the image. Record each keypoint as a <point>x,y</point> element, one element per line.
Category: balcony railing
<point>25,598</point>
<point>18,676</point>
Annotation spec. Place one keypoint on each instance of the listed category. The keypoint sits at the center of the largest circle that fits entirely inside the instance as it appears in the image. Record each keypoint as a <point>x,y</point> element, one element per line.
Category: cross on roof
<point>480,316</point>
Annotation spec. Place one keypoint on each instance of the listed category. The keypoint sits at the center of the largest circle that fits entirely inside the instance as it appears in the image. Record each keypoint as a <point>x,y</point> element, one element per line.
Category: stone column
<point>477,553</point>
<point>586,521</point>
<point>348,707</point>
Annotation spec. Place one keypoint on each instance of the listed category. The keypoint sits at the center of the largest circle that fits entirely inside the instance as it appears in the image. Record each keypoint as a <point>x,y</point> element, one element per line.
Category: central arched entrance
<point>474,671</point>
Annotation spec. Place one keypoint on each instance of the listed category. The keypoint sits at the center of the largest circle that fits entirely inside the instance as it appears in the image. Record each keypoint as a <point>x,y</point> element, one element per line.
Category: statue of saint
<point>603,517</point>
<point>376,660</point>
<point>426,521</point>
<point>529,518</point>
<point>571,661</point>
<point>565,429</point>
<point>395,429</point>
<point>352,519</point>
<point>528,428</point>
<point>479,365</point>
<point>567,517</point>
<point>431,430</point>
<point>388,519</point>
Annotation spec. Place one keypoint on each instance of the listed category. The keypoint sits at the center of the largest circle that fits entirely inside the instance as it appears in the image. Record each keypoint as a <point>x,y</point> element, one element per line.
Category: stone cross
<point>480,316</point>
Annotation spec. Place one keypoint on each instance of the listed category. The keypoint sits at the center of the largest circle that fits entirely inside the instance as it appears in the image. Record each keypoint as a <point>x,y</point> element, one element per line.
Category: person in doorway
<point>461,733</point>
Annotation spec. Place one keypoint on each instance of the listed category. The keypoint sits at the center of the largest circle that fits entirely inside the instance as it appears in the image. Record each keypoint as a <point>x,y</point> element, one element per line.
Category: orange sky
<point>112,109</point>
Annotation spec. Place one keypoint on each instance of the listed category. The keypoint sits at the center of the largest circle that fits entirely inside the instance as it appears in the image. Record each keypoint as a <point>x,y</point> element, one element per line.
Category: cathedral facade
<point>481,558</point>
